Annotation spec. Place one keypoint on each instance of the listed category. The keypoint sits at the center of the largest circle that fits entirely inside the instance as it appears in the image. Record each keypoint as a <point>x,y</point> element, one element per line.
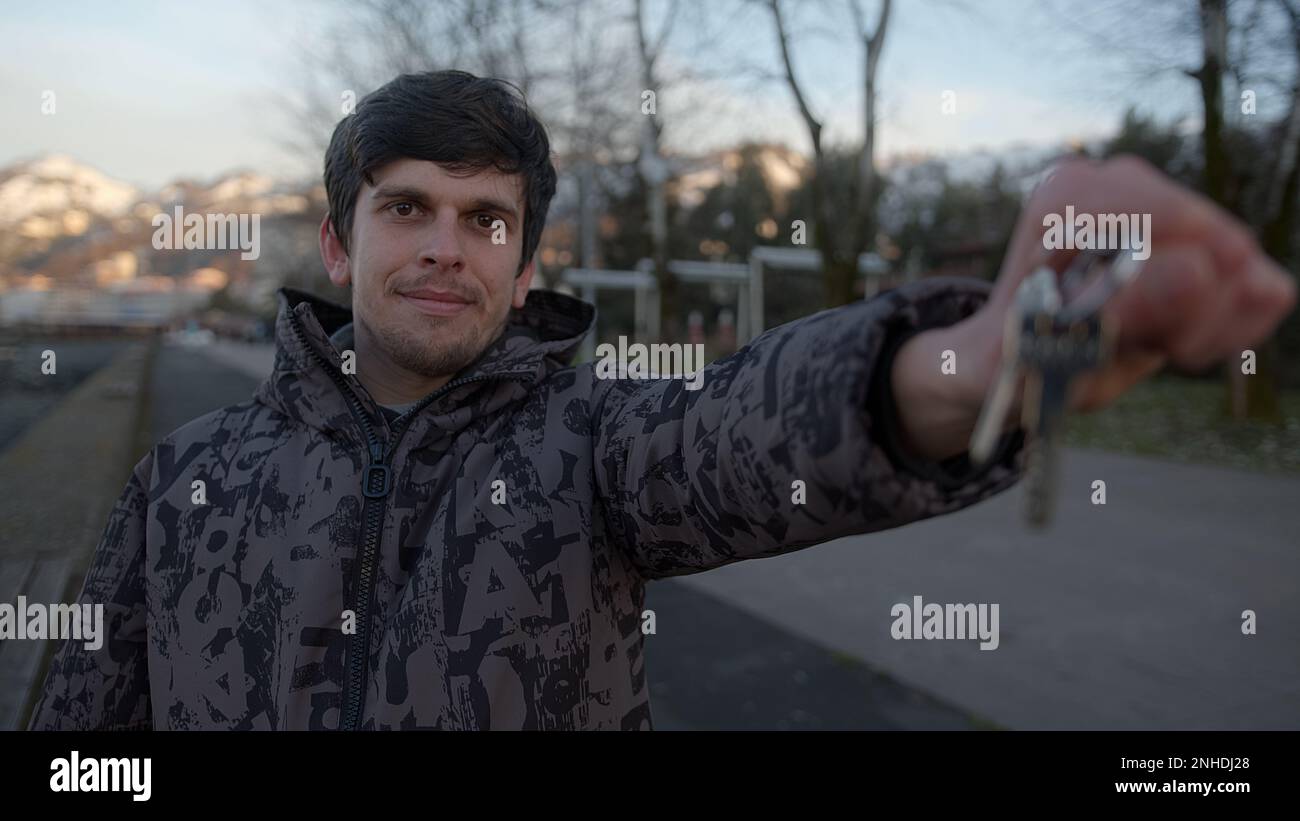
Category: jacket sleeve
<point>107,688</point>
<point>693,480</point>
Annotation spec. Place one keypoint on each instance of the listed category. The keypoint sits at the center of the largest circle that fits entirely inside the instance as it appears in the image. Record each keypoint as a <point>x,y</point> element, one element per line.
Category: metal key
<point>1050,341</point>
<point>1054,352</point>
<point>1037,294</point>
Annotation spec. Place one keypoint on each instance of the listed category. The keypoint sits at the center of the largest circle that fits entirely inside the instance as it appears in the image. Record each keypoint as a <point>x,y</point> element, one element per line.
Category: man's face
<point>432,263</point>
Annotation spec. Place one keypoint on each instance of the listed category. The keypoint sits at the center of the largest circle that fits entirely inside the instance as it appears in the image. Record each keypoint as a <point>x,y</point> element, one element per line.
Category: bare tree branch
<point>783,40</point>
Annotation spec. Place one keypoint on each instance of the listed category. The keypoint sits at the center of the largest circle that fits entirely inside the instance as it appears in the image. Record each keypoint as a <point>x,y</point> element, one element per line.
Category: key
<point>998,399</point>
<point>1055,351</point>
<point>1092,278</point>
<point>1036,294</point>
<point>1054,332</point>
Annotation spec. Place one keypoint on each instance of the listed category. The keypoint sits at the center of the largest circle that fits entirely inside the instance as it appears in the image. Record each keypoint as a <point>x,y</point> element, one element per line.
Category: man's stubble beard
<point>431,357</point>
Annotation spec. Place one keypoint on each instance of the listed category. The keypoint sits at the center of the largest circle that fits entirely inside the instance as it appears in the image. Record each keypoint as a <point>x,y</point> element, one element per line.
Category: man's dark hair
<point>461,122</point>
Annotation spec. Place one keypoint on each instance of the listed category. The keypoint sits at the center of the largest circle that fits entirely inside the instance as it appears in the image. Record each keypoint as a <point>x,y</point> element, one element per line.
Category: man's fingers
<point>1260,305</point>
<point>1206,292</point>
<point>1185,307</point>
<point>1272,290</point>
<point>1165,307</point>
<point>1130,186</point>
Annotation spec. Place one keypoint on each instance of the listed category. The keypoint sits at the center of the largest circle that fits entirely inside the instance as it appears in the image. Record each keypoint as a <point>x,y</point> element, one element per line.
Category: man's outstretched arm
<point>846,422</point>
<point>790,442</point>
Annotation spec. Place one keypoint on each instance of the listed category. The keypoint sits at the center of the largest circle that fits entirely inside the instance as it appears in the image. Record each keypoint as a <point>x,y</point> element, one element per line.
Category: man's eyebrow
<point>489,204</point>
<point>389,192</point>
<point>403,192</point>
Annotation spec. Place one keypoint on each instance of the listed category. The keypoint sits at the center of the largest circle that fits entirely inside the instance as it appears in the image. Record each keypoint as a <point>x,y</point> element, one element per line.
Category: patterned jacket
<point>302,560</point>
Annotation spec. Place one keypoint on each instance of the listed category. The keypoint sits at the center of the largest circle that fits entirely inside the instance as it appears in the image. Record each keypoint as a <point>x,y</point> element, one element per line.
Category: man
<point>425,518</point>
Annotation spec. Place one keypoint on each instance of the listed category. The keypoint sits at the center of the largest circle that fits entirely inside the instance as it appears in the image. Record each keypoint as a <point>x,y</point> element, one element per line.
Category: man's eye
<point>486,221</point>
<point>403,209</point>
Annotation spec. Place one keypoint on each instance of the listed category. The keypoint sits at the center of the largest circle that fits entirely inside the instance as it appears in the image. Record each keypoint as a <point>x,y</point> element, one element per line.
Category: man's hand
<point>1207,292</point>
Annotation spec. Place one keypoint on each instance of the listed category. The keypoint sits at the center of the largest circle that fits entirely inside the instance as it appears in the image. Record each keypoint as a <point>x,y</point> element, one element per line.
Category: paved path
<point>714,666</point>
<point>248,358</point>
<point>189,382</point>
<point>59,477</point>
<point>1126,615</point>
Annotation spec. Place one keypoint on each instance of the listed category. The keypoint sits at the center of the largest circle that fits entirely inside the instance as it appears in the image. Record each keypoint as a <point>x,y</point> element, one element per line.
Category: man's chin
<point>434,348</point>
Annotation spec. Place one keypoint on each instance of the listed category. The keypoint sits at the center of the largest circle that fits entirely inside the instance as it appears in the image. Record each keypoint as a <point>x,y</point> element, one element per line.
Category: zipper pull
<point>379,478</point>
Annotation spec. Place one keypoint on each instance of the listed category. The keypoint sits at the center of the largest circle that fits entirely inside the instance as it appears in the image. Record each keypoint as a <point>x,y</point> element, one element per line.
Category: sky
<point>149,92</point>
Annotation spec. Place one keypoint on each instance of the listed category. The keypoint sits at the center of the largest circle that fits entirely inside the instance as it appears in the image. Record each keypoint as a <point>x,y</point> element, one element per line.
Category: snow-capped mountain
<point>53,187</point>
<point>70,223</point>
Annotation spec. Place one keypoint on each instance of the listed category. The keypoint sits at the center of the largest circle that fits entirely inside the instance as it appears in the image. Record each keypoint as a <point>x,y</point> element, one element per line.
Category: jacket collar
<point>304,385</point>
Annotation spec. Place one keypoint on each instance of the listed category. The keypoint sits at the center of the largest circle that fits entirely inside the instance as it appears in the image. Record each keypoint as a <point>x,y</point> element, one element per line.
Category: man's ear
<point>332,254</point>
<point>522,283</point>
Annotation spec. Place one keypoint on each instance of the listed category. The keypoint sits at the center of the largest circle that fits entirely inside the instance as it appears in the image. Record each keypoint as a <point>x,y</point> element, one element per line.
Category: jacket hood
<point>305,383</point>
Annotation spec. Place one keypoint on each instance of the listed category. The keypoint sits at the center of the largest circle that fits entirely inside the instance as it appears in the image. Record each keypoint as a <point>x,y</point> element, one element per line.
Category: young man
<point>425,518</point>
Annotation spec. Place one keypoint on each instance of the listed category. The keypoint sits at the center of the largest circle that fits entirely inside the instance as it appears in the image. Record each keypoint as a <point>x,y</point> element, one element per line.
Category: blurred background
<point>724,168</point>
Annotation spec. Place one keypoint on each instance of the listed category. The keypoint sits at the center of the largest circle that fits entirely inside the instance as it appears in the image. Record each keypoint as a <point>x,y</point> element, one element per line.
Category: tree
<point>1162,146</point>
<point>652,165</point>
<point>840,268</point>
<point>733,211</point>
<point>1240,45</point>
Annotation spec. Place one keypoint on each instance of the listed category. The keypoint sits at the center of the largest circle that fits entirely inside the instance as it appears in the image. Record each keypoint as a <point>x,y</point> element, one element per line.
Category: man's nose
<point>442,244</point>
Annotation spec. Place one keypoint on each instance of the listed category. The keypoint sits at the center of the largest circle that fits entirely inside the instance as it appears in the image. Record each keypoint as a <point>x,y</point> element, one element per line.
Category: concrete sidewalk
<point>58,481</point>
<point>254,360</point>
<point>194,381</point>
<point>1124,616</point>
<point>712,666</point>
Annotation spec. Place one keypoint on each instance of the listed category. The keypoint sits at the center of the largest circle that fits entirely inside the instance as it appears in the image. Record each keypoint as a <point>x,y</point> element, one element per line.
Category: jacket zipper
<point>376,484</point>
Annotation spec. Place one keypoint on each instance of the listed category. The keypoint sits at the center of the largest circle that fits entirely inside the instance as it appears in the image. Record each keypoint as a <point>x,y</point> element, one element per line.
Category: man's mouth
<point>434,302</point>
